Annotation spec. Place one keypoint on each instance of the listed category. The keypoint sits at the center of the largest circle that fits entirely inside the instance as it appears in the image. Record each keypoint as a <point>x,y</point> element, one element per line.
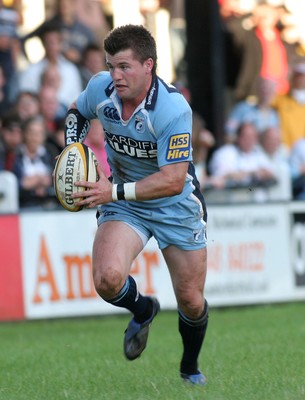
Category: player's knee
<point>108,283</point>
<point>192,305</point>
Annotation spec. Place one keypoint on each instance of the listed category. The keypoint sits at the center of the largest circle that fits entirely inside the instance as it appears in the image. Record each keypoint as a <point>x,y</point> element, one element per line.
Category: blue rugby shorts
<point>181,224</point>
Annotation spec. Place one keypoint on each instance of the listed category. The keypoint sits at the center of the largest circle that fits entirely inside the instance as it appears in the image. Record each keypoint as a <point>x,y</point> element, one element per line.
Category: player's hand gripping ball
<point>76,162</point>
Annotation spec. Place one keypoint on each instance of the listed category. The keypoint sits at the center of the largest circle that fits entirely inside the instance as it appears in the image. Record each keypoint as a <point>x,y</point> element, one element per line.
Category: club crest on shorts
<point>198,235</point>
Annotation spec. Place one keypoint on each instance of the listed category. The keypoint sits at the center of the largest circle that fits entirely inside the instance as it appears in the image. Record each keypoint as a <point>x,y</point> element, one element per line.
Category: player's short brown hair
<point>134,37</point>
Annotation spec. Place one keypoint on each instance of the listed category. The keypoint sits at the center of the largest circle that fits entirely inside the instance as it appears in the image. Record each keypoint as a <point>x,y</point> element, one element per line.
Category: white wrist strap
<point>114,192</point>
<point>130,191</point>
<point>126,191</point>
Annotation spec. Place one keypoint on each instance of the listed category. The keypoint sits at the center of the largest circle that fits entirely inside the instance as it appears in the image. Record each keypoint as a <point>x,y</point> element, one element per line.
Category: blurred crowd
<point>264,46</point>
<point>34,96</point>
<point>264,133</point>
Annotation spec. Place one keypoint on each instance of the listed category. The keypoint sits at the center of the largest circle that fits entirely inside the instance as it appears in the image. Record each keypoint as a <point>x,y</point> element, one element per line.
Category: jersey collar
<point>152,94</point>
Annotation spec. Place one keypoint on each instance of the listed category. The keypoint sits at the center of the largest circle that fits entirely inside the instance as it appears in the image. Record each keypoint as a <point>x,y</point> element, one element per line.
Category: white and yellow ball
<point>76,162</point>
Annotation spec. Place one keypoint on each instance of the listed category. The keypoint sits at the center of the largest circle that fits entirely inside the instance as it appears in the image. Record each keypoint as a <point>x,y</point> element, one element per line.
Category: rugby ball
<point>76,162</point>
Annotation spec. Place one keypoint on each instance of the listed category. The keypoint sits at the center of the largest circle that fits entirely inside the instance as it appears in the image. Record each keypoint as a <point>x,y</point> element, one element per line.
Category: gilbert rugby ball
<point>76,162</point>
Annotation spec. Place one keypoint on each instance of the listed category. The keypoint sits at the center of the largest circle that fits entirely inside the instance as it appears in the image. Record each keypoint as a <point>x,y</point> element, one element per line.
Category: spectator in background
<point>95,14</point>
<point>26,105</point>
<point>75,35</point>
<point>4,101</point>
<point>293,38</point>
<point>261,52</point>
<point>9,50</point>
<point>52,112</point>
<point>93,61</point>
<point>55,142</point>
<point>50,78</point>
<point>34,165</point>
<point>50,108</point>
<point>271,142</point>
<point>95,140</point>
<point>259,112</point>
<point>242,163</point>
<point>177,35</point>
<point>70,81</point>
<point>292,28</point>
<point>232,19</point>
<point>291,108</point>
<point>278,156</point>
<point>202,142</point>
<point>10,139</point>
<point>202,139</point>
<point>297,167</point>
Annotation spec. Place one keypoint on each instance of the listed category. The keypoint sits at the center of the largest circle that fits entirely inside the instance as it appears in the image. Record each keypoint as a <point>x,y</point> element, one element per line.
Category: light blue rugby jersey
<point>158,133</point>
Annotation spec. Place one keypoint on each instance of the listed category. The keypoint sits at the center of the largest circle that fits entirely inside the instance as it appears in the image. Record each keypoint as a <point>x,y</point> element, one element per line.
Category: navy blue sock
<point>129,297</point>
<point>192,333</point>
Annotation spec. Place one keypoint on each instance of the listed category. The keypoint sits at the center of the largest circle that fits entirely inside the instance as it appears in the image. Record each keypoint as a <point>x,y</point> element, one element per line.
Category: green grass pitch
<point>250,353</point>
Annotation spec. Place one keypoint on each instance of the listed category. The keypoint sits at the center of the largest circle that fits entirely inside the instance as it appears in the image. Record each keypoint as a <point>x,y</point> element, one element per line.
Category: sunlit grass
<point>249,353</point>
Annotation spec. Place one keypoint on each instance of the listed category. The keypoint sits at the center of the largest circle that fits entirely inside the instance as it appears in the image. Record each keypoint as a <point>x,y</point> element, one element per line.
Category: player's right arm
<point>76,130</point>
<point>76,126</point>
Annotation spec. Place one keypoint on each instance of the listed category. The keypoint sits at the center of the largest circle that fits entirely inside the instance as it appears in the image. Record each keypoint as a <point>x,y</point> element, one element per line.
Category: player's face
<point>132,79</point>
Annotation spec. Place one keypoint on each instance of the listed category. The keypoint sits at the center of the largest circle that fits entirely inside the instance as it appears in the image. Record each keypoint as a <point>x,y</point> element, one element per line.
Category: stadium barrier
<point>256,255</point>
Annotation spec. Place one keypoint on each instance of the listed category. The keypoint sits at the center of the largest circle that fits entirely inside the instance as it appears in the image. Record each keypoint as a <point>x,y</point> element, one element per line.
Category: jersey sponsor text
<point>131,147</point>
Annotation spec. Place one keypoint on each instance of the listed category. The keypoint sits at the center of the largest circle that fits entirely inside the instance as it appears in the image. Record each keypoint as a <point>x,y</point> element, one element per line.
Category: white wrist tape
<point>130,191</point>
<point>114,192</point>
<point>126,191</point>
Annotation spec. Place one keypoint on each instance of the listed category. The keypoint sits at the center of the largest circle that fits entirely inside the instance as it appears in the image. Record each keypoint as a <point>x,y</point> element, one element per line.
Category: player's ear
<point>149,63</point>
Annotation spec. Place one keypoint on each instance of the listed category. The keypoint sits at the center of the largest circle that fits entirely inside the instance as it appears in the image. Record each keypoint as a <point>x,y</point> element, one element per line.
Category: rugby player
<point>153,191</point>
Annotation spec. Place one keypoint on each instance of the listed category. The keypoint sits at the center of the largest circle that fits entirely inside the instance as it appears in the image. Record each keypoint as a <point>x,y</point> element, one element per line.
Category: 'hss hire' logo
<point>178,147</point>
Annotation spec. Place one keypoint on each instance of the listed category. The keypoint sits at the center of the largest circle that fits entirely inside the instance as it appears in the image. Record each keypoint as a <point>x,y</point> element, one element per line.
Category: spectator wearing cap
<point>291,107</point>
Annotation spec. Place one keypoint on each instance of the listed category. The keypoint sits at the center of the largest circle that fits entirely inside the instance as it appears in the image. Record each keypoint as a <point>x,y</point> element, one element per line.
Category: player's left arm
<point>168,181</point>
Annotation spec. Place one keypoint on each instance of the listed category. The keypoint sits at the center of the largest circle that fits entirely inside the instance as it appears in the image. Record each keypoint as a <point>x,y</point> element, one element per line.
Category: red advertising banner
<point>11,284</point>
<point>256,255</point>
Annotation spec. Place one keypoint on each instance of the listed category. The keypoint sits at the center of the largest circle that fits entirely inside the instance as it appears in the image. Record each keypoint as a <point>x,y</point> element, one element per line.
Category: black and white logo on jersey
<point>111,113</point>
<point>139,124</point>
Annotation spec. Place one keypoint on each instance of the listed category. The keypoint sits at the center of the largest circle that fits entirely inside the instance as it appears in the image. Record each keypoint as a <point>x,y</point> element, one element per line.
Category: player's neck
<point>130,105</point>
<point>128,109</point>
